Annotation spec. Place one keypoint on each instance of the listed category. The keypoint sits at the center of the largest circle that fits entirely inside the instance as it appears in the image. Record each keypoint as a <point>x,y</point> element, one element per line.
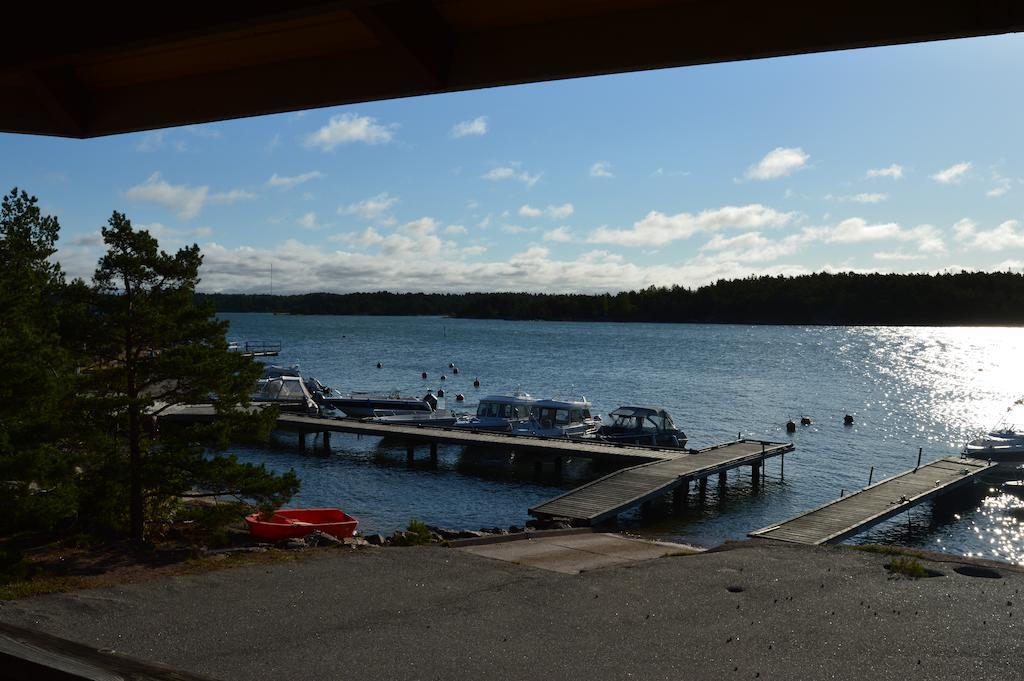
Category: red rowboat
<point>298,522</point>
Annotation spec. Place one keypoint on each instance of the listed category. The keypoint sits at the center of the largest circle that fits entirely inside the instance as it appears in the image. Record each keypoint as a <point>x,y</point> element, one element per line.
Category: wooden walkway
<point>598,451</point>
<point>852,514</point>
<point>606,497</point>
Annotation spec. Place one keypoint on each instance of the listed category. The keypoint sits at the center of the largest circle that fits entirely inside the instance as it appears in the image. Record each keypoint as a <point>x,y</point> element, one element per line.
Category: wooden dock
<point>854,513</point>
<point>420,435</point>
<point>605,498</point>
<point>256,348</point>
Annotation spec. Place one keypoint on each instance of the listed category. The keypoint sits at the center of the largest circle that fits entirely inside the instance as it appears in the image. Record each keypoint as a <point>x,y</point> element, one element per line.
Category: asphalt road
<point>765,612</point>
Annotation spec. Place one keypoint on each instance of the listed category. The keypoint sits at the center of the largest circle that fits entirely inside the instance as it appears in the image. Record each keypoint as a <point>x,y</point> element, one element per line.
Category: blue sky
<point>891,159</point>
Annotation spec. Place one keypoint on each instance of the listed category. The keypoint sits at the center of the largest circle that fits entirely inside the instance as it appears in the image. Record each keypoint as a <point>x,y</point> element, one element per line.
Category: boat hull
<point>357,407</point>
<point>299,522</point>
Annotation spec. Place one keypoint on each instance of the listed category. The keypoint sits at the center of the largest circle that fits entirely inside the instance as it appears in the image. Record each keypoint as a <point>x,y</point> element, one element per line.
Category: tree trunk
<point>136,510</point>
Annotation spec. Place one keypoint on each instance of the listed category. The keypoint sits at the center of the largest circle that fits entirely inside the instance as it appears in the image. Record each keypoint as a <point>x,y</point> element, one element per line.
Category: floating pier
<point>605,498</point>
<point>854,513</point>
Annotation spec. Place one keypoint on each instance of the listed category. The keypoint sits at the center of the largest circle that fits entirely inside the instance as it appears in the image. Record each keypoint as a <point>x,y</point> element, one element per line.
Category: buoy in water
<point>790,426</point>
<point>443,377</point>
<point>451,365</point>
<point>476,382</point>
<point>380,365</point>
<point>440,392</point>
<point>455,370</point>
<point>805,421</point>
<point>847,420</point>
<point>460,397</point>
<point>423,375</point>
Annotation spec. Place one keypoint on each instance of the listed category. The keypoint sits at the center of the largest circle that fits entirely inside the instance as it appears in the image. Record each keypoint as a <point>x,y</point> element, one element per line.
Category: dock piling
<point>433,453</point>
<point>919,451</point>
<point>410,453</point>
<point>327,442</point>
<point>871,474</point>
<point>302,442</point>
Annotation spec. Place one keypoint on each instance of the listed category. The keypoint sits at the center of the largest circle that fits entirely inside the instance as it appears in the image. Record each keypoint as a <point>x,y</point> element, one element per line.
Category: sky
<point>894,159</point>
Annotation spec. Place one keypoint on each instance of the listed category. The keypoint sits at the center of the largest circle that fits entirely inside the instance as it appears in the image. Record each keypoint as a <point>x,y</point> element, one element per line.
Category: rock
<point>446,533</point>
<point>514,529</point>
<point>468,534</point>
<point>294,543</point>
<point>318,538</point>
<point>355,542</point>
<point>375,539</point>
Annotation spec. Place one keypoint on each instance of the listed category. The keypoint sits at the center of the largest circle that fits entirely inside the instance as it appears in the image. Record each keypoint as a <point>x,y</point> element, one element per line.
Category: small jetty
<point>854,513</point>
<point>603,499</point>
<point>256,348</point>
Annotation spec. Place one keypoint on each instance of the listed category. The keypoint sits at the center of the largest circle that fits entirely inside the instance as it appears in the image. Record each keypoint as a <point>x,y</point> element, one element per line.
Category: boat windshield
<point>501,410</point>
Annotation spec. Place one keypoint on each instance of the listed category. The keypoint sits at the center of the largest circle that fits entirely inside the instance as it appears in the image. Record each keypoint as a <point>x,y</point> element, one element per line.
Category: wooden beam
<point>415,32</point>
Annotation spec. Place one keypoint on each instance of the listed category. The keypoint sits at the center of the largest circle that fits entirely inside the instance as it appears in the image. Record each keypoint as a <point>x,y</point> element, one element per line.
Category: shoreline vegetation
<point>952,299</point>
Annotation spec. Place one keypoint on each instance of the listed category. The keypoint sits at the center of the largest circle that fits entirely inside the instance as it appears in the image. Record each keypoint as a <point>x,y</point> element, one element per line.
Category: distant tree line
<point>964,298</point>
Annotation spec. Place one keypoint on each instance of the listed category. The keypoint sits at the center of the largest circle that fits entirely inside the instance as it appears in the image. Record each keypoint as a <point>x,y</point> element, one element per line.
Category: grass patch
<point>888,550</point>
<point>417,534</point>
<point>675,553</point>
<point>908,567</point>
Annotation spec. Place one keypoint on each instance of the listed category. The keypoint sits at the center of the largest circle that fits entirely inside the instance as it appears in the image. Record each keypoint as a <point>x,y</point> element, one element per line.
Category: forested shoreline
<point>964,298</point>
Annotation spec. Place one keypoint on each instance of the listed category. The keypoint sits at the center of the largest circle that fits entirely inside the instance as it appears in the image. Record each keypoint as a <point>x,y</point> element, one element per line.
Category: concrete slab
<point>576,553</point>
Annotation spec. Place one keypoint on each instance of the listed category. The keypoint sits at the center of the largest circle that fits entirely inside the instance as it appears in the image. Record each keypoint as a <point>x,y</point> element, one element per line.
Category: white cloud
<point>151,141</point>
<point>750,247</point>
<point>778,162</point>
<point>474,250</point>
<point>517,229</point>
<point>895,171</point>
<point>1006,235</point>
<point>184,200</point>
<point>898,256</point>
<point>858,230</point>
<point>656,228</point>
<point>1002,185</point>
<point>512,171</point>
<point>372,208</point>
<point>552,212</point>
<point>601,169</point>
<point>561,234</point>
<point>477,126</point>
<point>309,221</point>
<point>952,174</point>
<point>285,182</point>
<point>863,197</point>
<point>348,128</point>
<point>274,143</point>
<point>455,229</point>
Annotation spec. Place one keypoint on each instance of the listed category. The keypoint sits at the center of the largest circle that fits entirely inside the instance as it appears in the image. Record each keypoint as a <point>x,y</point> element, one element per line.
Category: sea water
<point>906,387</point>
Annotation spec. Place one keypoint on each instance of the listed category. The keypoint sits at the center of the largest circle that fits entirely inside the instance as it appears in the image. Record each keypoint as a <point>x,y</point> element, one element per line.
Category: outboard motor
<point>431,400</point>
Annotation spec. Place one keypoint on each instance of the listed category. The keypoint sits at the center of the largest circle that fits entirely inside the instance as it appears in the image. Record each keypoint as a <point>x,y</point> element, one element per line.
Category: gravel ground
<point>758,610</point>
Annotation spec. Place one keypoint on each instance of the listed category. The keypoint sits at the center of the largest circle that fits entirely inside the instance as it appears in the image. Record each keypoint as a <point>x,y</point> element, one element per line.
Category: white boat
<point>287,392</point>
<point>1003,445</point>
<point>559,418</point>
<point>500,412</point>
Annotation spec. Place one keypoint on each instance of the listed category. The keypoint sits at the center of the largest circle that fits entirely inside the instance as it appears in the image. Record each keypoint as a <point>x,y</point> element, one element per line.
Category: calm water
<point>906,387</point>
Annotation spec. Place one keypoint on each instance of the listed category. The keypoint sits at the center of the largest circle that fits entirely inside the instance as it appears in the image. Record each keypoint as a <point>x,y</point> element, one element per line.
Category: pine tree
<point>37,474</point>
<point>152,347</point>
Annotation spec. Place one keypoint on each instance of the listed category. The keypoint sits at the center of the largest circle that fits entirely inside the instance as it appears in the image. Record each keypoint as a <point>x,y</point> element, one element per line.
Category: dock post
<point>722,479</point>
<point>680,493</point>
<point>433,453</point>
<point>703,487</point>
<point>327,442</point>
<point>782,466</point>
<point>302,442</point>
<point>871,474</point>
<point>919,450</point>
<point>409,453</point>
<point>755,474</point>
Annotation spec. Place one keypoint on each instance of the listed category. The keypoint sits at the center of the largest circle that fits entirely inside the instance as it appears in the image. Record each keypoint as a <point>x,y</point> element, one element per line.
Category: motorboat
<point>367,404</point>
<point>558,418</point>
<point>1002,445</point>
<point>289,393</point>
<point>440,418</point>
<point>501,413</point>
<point>299,522</point>
<point>641,426</point>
